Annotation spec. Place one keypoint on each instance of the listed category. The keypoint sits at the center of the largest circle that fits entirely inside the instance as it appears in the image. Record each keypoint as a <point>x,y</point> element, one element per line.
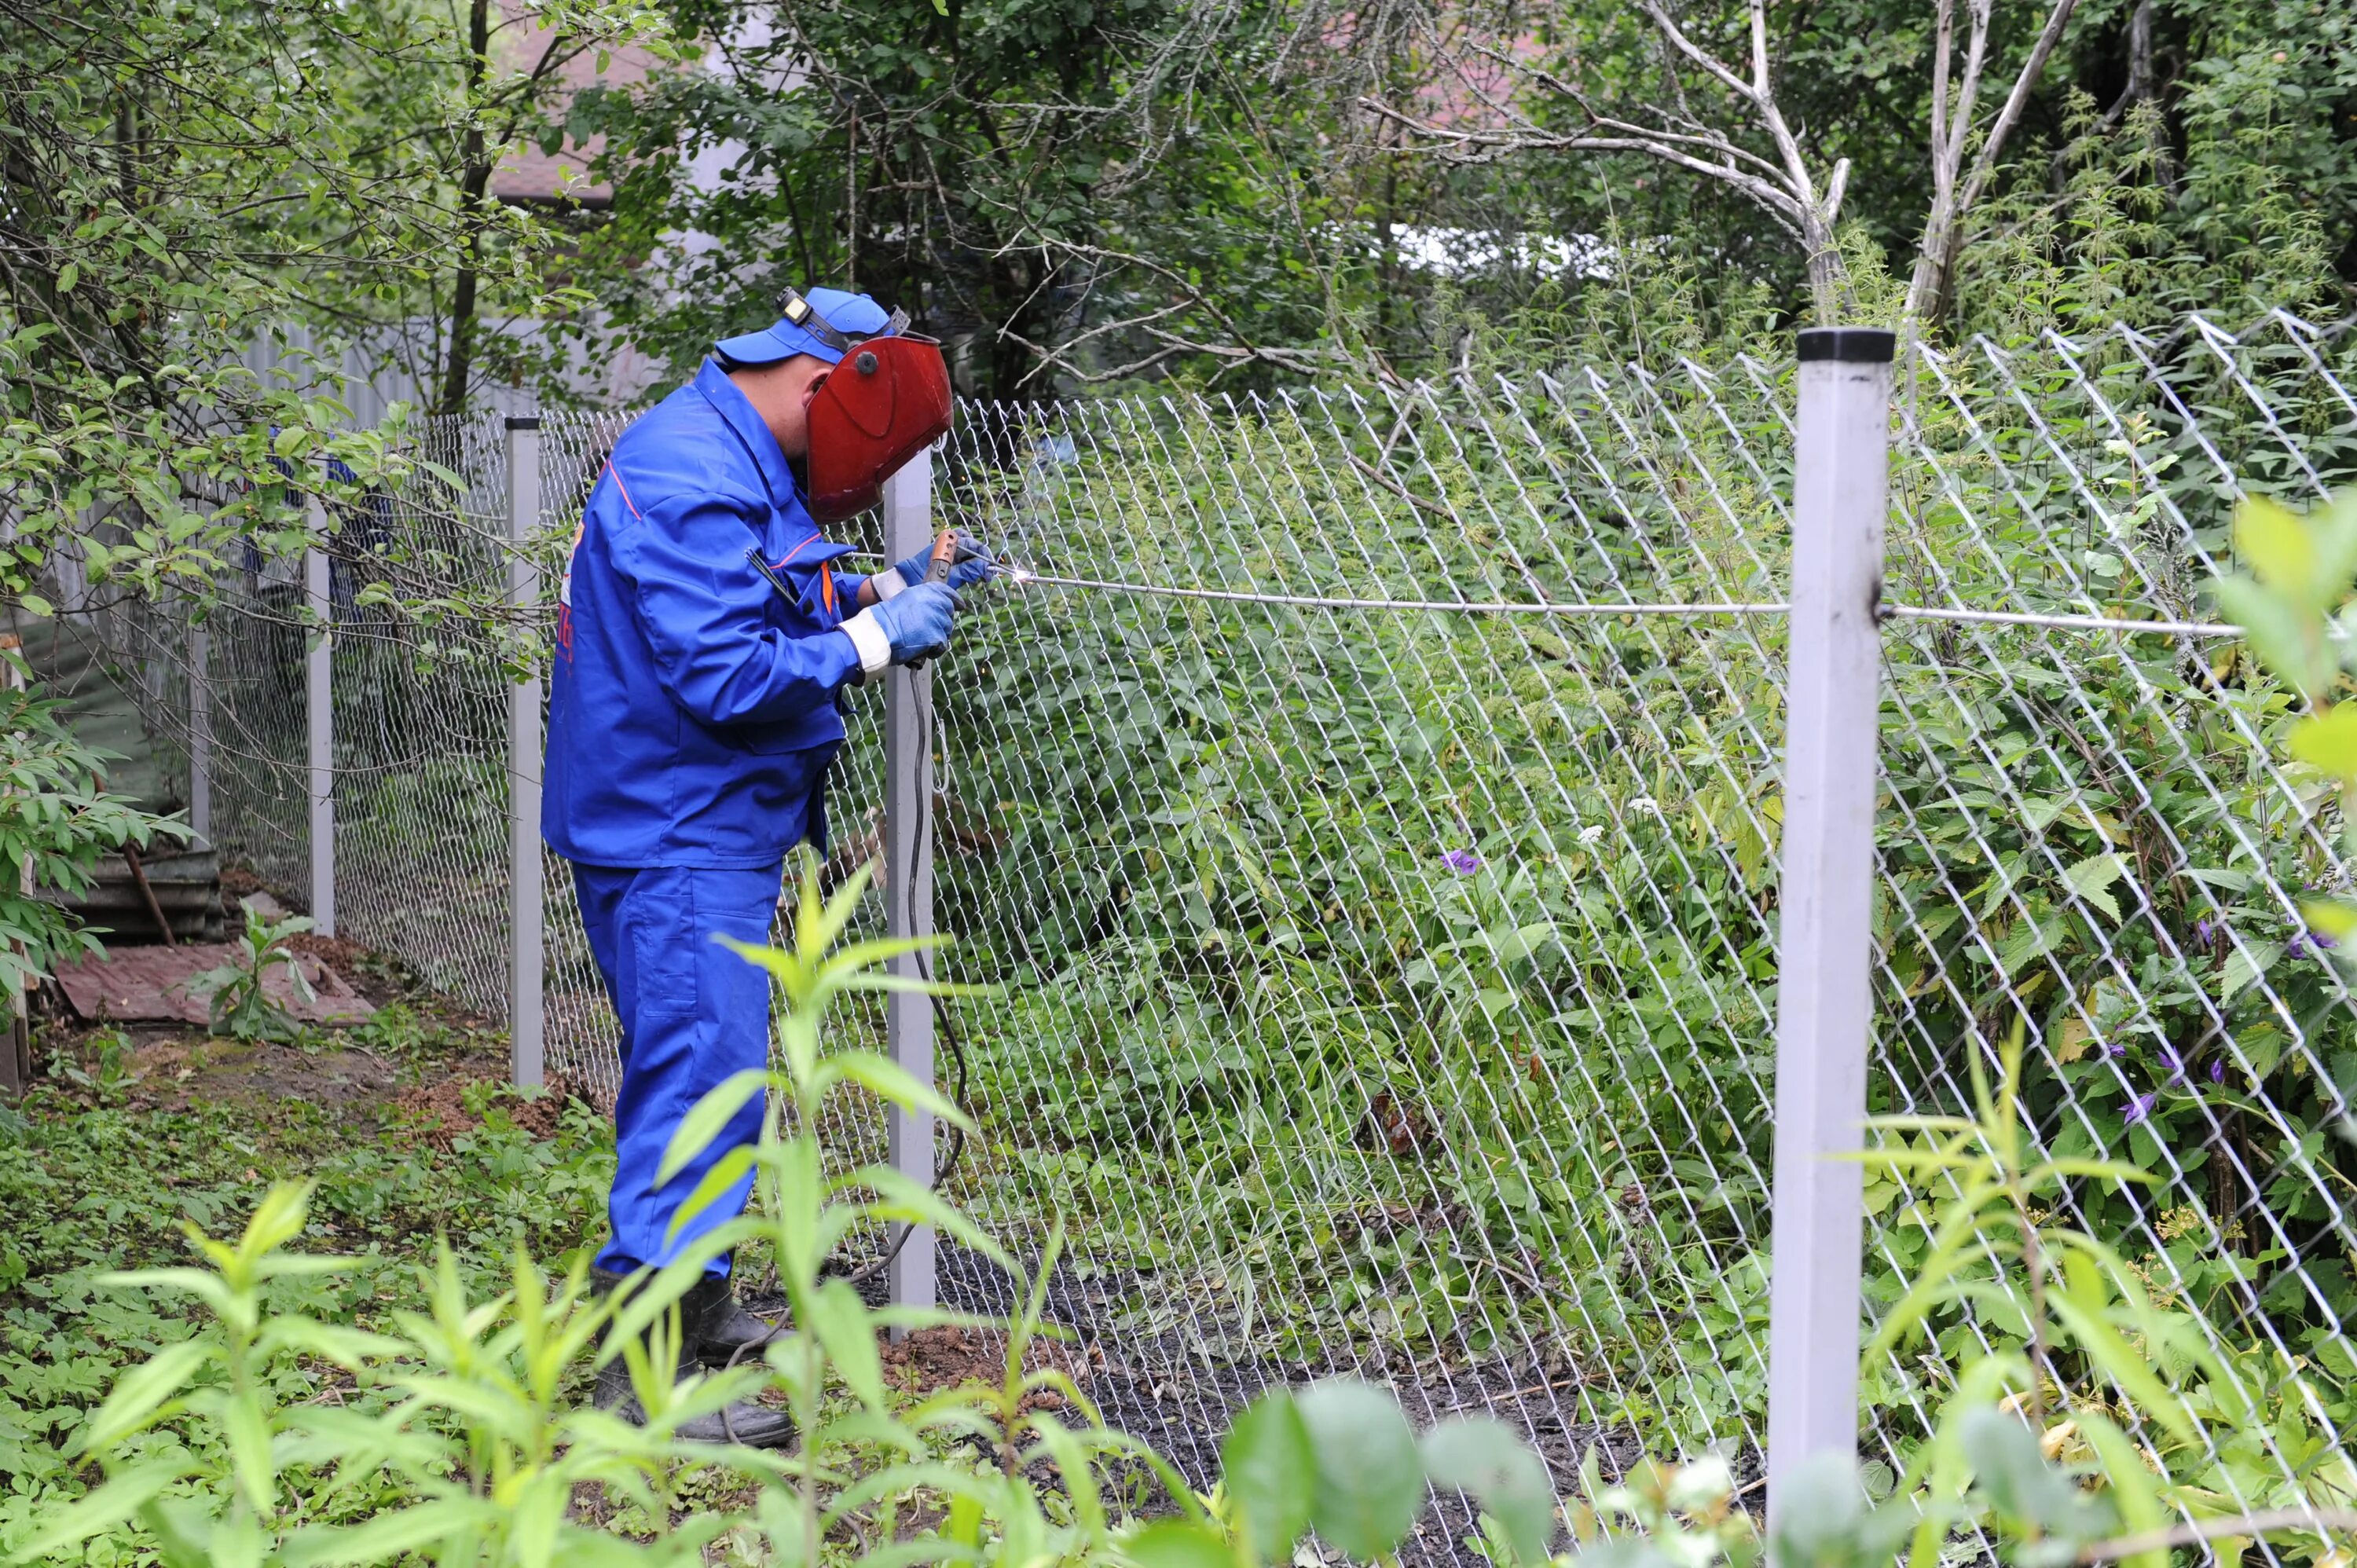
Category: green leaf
<point>2244,965</point>
<point>1174,1543</point>
<point>1268,1469</point>
<point>710,1117</point>
<point>2328,741</point>
<point>141,1394</point>
<point>2092,877</point>
<point>2278,544</point>
<point>2134,1490</point>
<point>2336,917</point>
<point>121,1498</point>
<point>726,1173</point>
<point>2286,640</point>
<point>388,1536</point>
<point>2125,1366</point>
<point>1370,1478</point>
<point>1823,1519</point>
<point>841,1321</point>
<point>890,1081</point>
<point>1481,1456</point>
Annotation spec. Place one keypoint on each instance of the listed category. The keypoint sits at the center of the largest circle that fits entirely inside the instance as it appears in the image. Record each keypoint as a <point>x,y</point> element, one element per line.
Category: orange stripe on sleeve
<point>616,475</point>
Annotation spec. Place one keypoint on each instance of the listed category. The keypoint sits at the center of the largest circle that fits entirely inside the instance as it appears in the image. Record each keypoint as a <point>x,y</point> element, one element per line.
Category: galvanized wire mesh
<point>2097,842</point>
<point>1364,984</point>
<point>1391,989</point>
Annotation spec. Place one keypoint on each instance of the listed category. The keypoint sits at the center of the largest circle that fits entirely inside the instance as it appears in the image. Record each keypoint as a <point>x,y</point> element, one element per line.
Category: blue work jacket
<point>693,712</point>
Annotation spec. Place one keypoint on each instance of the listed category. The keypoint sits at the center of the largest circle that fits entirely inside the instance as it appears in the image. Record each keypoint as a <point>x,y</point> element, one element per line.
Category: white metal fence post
<point>318,698</point>
<point>527,933</point>
<point>201,732</point>
<point>909,868</point>
<point>1823,1001</point>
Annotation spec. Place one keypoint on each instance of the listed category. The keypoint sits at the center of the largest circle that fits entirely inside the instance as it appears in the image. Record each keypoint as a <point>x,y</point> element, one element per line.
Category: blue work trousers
<point>693,1013</point>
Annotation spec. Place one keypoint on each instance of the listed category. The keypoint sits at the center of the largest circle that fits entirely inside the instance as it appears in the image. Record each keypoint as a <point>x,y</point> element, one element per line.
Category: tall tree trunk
<point>474,200</point>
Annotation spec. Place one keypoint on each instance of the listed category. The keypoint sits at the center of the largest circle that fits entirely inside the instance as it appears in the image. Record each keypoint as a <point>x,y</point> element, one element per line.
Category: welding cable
<point>942,1020</point>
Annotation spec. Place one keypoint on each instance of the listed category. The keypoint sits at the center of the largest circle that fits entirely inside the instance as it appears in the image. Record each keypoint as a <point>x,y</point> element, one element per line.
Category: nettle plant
<point>461,1436</point>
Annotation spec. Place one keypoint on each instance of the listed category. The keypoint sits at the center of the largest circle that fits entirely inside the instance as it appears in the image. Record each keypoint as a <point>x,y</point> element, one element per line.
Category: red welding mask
<point>887,400</point>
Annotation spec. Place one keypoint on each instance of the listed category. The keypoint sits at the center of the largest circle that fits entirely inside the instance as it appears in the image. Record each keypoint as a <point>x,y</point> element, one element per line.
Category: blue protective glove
<point>974,563</point>
<point>911,624</point>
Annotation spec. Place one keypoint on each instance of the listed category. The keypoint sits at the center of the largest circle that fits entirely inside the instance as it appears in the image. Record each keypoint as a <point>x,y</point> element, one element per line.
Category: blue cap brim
<point>783,341</point>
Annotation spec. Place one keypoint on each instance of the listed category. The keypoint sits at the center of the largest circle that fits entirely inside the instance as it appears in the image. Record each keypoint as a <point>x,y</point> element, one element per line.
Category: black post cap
<point>527,420</point>
<point>1850,345</point>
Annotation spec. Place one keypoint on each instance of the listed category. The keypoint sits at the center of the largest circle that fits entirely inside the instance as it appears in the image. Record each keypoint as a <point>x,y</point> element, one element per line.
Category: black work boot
<point>753,1425</point>
<point>726,1335</point>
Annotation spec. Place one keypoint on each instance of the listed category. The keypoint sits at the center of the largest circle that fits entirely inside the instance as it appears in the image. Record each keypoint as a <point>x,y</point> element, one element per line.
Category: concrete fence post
<point>319,701</point>
<point>17,1050</point>
<point>909,871</point>
<point>528,937</point>
<point>1824,1007</point>
<point>201,731</point>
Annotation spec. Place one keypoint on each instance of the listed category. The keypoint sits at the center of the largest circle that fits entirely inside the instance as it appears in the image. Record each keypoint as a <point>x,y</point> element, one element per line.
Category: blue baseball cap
<point>820,323</point>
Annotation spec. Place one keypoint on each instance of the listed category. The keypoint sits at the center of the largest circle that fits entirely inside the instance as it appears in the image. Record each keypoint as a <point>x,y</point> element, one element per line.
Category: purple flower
<point>2139,1108</point>
<point>2176,1064</point>
<point>2322,942</point>
<point>2296,946</point>
<point>2218,1070</point>
<point>1463,861</point>
<point>2119,1048</point>
<point>2201,929</point>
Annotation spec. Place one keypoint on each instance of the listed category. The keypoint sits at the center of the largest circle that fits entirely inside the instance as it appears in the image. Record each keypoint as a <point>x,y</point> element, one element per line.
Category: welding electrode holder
<point>948,551</point>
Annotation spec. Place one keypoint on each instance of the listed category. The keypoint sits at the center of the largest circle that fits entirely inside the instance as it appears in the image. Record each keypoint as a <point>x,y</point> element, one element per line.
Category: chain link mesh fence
<point>1391,989</point>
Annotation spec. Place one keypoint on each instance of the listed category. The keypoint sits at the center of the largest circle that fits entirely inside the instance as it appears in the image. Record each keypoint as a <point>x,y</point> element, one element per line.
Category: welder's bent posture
<point>704,635</point>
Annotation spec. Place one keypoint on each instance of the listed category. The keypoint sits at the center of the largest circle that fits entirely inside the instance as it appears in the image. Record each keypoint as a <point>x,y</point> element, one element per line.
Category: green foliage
<point>233,992</point>
<point>98,1177</point>
<point>57,822</point>
<point>460,1441</point>
<point>189,181</point>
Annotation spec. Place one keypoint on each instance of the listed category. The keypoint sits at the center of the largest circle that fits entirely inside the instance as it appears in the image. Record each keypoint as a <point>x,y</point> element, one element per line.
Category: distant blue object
<point>852,315</point>
<point>365,528</point>
<point>692,1014</point>
<point>692,709</point>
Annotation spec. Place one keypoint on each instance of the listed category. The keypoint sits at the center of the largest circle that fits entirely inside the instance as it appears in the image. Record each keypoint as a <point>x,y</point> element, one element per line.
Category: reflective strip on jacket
<point>693,712</point>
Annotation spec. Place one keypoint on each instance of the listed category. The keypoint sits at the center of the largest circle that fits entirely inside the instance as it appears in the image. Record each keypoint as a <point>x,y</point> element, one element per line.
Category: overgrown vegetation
<point>1428,960</point>
<point>454,1437</point>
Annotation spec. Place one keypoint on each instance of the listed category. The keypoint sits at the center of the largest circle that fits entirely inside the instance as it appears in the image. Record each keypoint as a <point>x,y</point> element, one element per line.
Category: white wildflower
<point>1643,806</point>
<point>1592,833</point>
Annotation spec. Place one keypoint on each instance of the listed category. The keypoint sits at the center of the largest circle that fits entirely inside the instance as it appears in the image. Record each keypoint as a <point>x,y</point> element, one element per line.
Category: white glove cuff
<point>889,582</point>
<point>875,648</point>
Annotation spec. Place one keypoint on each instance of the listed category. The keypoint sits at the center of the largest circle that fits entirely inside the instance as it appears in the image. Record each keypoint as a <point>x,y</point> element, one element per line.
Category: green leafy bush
<point>57,822</point>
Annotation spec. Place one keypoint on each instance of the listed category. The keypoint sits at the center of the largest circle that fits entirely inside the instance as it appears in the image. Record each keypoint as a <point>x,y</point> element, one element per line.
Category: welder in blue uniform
<point>704,639</point>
